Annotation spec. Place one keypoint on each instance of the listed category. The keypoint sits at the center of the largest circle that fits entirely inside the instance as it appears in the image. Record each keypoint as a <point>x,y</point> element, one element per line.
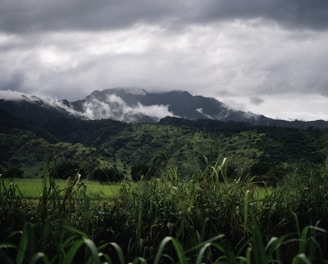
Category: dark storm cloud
<point>42,15</point>
<point>291,13</point>
<point>35,15</point>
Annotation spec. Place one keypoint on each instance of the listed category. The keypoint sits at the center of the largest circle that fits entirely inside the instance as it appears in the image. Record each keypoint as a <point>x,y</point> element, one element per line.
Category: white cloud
<point>114,107</point>
<point>228,60</point>
<point>39,98</point>
<point>11,95</point>
<point>289,106</point>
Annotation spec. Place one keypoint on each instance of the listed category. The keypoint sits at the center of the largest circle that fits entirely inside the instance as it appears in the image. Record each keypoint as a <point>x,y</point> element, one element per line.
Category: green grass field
<point>32,188</point>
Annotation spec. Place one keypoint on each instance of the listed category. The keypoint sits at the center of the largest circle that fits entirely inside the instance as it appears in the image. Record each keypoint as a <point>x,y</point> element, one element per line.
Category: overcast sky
<point>265,56</point>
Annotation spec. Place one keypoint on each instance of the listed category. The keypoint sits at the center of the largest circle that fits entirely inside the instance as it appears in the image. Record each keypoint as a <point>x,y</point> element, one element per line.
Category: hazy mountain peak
<point>10,95</point>
<point>120,91</point>
<point>116,103</point>
<point>134,105</point>
<point>40,100</point>
<point>121,105</point>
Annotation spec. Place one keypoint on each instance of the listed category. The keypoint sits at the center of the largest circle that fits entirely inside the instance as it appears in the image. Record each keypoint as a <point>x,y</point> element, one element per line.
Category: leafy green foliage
<point>140,171</point>
<point>114,144</point>
<point>13,173</point>
<point>64,169</point>
<point>108,175</point>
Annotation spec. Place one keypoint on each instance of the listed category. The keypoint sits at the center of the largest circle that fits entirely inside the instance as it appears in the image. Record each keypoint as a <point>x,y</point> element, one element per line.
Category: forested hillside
<point>90,146</point>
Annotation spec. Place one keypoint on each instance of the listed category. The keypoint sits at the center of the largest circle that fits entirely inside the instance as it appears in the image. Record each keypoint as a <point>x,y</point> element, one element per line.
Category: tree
<point>268,172</point>
<point>140,171</point>
<point>64,169</point>
<point>13,173</point>
<point>159,164</point>
<point>111,174</point>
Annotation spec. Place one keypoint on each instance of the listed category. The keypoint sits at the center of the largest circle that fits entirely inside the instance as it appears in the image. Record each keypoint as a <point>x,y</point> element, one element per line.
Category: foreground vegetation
<point>207,218</point>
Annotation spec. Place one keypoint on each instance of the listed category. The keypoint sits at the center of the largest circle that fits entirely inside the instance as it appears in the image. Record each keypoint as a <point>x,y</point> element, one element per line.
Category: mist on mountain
<point>134,105</point>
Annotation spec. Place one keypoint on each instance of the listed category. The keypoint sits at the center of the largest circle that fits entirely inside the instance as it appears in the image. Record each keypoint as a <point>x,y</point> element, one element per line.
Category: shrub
<point>268,173</point>
<point>64,169</point>
<point>111,174</point>
<point>140,171</point>
<point>13,173</point>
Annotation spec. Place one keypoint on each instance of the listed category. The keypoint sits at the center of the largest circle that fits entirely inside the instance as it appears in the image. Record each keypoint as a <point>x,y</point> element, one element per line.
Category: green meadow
<point>33,188</point>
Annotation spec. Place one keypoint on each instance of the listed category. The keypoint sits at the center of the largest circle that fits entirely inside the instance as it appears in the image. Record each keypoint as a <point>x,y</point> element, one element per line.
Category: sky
<point>264,56</point>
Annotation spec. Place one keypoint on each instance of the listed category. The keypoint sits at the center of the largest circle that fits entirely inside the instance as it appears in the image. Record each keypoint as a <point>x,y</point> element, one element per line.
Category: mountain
<point>138,105</point>
<point>54,120</point>
<point>133,105</point>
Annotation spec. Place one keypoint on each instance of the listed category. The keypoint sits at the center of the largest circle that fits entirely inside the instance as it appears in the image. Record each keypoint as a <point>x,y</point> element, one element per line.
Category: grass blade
<point>4,258</point>
<point>44,235</point>
<point>118,252</point>
<point>139,260</point>
<point>73,252</point>
<point>301,259</point>
<point>93,249</point>
<point>258,248</point>
<point>40,256</point>
<point>22,245</point>
<point>177,247</point>
<point>179,250</point>
<point>202,252</point>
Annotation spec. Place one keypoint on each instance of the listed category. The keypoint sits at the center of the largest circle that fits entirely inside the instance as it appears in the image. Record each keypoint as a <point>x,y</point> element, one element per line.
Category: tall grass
<point>205,218</point>
<point>74,246</point>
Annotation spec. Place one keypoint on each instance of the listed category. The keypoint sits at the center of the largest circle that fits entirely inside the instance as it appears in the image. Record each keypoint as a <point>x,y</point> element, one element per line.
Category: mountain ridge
<point>136,105</point>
